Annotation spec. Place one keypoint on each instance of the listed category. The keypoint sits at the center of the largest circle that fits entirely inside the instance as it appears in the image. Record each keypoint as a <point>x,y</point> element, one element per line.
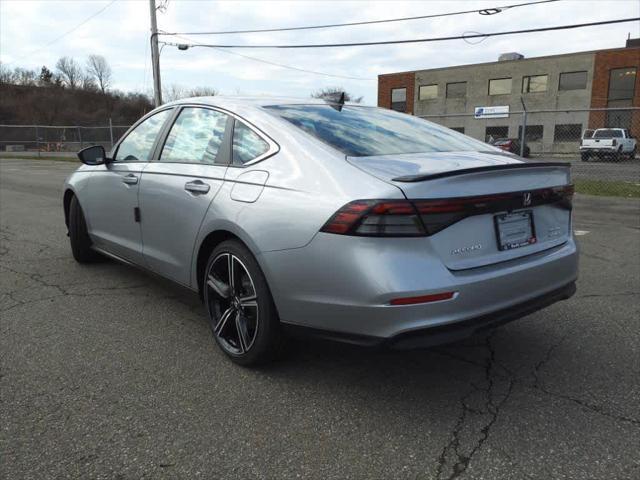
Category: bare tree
<point>6,74</point>
<point>173,92</point>
<point>100,71</point>
<point>70,72</point>
<point>24,76</point>
<point>176,92</point>
<point>202,92</point>
<point>333,91</point>
<point>87,83</point>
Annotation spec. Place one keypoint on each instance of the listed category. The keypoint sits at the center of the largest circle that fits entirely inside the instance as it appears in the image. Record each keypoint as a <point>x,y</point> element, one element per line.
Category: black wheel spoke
<point>219,287</point>
<point>243,334</point>
<point>224,319</point>
<point>230,264</point>
<point>250,301</point>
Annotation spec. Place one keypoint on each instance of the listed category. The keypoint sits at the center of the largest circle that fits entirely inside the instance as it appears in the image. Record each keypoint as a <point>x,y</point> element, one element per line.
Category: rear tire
<point>242,315</point>
<point>632,154</point>
<point>618,156</point>
<point>78,235</point>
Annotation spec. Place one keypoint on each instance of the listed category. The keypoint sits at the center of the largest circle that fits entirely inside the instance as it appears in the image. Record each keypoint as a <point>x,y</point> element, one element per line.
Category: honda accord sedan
<point>321,217</point>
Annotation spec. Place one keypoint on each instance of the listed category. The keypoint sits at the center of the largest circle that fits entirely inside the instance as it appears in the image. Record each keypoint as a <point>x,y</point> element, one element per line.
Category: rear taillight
<point>376,218</point>
<point>404,218</point>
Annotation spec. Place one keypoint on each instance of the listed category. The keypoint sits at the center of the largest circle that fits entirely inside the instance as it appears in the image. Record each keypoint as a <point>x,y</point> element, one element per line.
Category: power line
<point>482,11</point>
<point>423,40</point>
<point>68,31</point>
<point>276,64</point>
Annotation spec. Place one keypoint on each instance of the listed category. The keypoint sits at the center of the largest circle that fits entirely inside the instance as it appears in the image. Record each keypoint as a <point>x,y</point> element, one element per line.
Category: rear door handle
<point>130,179</point>
<point>197,186</point>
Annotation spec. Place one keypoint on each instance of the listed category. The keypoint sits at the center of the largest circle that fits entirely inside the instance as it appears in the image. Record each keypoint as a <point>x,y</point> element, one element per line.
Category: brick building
<point>556,86</point>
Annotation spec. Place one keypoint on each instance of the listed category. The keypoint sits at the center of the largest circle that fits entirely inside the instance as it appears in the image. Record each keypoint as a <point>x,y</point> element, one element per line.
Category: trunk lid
<point>506,208</point>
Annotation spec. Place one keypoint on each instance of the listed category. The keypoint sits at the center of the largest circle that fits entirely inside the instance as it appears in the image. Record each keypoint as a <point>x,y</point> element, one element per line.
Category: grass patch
<point>608,189</point>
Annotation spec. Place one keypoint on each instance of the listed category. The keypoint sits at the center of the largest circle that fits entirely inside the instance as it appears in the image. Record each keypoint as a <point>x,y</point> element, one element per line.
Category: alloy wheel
<point>232,303</point>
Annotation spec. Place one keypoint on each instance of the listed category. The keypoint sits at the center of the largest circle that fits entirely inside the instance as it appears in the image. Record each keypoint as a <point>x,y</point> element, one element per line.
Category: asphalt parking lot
<point>107,372</point>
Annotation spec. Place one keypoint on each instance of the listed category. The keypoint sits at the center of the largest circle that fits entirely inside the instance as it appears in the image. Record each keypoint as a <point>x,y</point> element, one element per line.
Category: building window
<point>457,90</point>
<point>573,81</point>
<point>500,86</point>
<point>458,129</point>
<point>534,83</point>
<point>622,82</point>
<point>399,99</point>
<point>619,118</point>
<point>533,133</point>
<point>494,133</point>
<point>427,92</point>
<point>568,132</point>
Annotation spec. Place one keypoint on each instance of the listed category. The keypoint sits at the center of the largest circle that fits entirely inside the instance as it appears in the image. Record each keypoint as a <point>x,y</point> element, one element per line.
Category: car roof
<point>235,102</point>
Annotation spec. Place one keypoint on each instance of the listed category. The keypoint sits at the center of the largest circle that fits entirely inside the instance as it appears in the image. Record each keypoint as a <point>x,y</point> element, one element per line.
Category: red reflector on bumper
<point>436,297</point>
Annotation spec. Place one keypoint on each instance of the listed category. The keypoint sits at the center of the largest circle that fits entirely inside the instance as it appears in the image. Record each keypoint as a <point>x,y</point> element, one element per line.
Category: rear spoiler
<point>489,168</point>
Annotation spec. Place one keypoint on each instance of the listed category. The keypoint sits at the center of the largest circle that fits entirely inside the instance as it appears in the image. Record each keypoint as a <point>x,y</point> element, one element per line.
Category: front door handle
<point>197,186</point>
<point>130,179</point>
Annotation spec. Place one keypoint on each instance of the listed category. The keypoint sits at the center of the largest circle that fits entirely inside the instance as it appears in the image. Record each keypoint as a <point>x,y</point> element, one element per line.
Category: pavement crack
<point>480,409</point>
<point>607,295</point>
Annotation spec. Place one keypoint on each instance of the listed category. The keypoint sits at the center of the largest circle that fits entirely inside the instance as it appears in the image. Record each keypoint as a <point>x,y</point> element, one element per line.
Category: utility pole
<point>155,56</point>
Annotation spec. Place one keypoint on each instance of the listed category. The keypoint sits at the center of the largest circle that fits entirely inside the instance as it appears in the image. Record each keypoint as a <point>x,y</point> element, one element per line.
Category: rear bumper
<point>345,284</point>
<point>431,336</point>
<point>606,149</point>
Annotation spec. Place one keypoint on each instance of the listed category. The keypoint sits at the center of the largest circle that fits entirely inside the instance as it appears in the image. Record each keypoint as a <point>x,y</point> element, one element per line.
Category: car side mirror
<point>94,155</point>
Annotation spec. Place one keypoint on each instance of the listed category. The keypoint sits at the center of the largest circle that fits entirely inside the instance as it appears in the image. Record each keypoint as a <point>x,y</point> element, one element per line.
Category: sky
<point>30,34</point>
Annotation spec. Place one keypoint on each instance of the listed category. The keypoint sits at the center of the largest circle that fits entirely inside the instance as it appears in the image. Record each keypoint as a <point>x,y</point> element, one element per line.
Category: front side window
<point>369,131</point>
<point>399,99</point>
<point>622,82</point>
<point>195,137</point>
<point>427,92</point>
<point>573,81</point>
<point>247,144</point>
<point>534,83</point>
<point>137,146</point>
<point>500,86</point>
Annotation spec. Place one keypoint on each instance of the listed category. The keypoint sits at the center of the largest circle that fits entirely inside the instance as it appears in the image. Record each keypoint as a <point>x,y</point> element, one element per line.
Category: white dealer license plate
<point>515,230</point>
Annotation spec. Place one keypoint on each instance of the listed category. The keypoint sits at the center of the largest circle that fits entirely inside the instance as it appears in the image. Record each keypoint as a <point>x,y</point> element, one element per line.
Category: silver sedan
<point>347,222</point>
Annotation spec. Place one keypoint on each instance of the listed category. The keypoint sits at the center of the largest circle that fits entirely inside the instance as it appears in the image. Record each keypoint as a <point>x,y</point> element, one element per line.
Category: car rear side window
<point>247,144</point>
<point>195,137</point>
<point>369,131</point>
<point>136,147</point>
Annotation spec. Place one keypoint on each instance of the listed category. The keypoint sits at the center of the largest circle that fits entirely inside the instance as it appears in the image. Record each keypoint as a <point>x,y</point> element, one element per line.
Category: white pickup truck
<point>616,142</point>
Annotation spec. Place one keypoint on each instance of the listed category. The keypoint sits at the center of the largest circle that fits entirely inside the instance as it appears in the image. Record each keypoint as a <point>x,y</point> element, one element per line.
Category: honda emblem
<point>526,199</point>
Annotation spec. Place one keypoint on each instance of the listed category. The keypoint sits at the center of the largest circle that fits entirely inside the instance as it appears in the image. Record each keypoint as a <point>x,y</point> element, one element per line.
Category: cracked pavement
<point>107,372</point>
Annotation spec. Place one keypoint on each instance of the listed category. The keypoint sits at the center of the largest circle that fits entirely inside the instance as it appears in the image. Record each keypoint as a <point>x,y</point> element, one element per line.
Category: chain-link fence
<point>600,143</point>
<point>57,138</point>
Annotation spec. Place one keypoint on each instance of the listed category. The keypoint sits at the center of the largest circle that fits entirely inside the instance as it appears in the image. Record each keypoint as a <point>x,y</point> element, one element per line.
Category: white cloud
<point>121,33</point>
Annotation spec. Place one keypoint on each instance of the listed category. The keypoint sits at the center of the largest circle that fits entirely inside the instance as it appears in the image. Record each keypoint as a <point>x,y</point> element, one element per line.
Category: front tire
<point>584,156</point>
<point>243,318</point>
<point>78,234</point>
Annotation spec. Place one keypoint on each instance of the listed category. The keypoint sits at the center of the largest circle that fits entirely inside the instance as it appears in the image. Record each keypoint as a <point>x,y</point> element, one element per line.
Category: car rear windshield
<point>608,134</point>
<point>369,131</point>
